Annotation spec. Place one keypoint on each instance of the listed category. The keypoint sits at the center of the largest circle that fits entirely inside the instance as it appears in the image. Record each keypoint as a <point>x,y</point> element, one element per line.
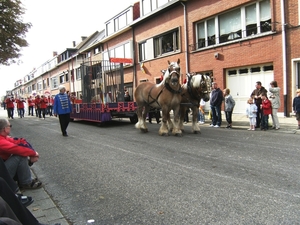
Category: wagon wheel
<point>134,119</point>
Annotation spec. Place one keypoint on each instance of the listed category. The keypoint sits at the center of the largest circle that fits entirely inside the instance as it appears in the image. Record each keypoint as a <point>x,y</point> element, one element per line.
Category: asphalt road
<point>117,175</point>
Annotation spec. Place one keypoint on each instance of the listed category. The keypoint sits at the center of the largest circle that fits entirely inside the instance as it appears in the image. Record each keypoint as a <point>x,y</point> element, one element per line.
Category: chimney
<point>83,38</point>
<point>74,43</point>
<point>54,54</point>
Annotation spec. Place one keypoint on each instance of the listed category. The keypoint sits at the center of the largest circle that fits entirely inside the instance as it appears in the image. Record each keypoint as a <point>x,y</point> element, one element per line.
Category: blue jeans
<point>216,115</point>
<point>201,117</point>
<point>264,122</point>
<point>18,166</point>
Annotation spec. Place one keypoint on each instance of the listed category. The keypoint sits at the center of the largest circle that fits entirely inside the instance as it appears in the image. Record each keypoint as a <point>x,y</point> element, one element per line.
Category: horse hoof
<point>144,130</point>
<point>178,134</point>
<point>196,132</point>
<point>163,134</point>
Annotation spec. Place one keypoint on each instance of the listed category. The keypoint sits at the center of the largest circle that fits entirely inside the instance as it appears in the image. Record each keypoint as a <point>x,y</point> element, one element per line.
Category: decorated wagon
<point>102,95</point>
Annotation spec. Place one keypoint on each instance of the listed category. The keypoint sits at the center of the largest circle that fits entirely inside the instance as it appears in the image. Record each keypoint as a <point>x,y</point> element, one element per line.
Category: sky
<point>55,25</point>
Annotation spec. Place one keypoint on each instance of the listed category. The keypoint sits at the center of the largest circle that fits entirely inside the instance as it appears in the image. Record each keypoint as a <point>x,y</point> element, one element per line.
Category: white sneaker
<point>217,126</point>
<point>211,125</point>
<point>201,122</point>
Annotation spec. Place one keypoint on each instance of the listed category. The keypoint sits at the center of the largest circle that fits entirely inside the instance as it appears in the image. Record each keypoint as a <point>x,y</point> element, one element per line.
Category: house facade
<point>237,42</point>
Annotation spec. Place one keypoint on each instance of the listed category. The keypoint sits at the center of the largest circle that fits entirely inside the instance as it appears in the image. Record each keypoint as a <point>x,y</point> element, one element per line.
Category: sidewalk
<point>240,121</point>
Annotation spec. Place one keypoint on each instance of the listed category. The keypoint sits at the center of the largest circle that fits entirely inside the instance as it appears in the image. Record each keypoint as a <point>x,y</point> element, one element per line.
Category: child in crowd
<point>266,111</point>
<point>229,105</point>
<point>251,112</point>
<point>201,114</point>
<point>296,106</point>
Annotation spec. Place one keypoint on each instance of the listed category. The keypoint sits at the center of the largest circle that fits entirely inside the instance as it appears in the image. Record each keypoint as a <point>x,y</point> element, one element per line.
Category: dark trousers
<point>64,120</point>
<point>43,112</point>
<point>265,122</point>
<point>21,112</point>
<point>22,213</point>
<point>228,115</point>
<point>259,116</point>
<point>156,114</point>
<point>49,110</point>
<point>216,115</point>
<point>10,112</point>
<point>5,175</point>
<point>30,110</point>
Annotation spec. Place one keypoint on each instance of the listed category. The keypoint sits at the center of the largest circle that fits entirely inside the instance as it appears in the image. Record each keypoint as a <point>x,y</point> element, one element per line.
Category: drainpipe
<point>284,73</point>
<point>185,39</point>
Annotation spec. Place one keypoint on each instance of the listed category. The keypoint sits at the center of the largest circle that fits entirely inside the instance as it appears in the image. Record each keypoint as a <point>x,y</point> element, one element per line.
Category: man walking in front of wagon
<point>62,107</point>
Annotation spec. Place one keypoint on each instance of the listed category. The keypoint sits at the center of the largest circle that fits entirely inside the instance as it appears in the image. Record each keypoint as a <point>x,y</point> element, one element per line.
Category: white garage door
<point>241,82</point>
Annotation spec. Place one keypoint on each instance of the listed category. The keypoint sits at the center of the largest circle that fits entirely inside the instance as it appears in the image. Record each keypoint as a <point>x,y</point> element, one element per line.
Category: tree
<point>12,31</point>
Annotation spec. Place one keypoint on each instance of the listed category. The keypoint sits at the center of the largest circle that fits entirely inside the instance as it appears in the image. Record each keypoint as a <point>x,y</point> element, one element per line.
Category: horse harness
<point>167,86</point>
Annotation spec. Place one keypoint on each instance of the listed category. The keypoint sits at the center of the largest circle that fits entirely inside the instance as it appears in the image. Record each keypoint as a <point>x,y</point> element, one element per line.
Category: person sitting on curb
<point>15,153</point>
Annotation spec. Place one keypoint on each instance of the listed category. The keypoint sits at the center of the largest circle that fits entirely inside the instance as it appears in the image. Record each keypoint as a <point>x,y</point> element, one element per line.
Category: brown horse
<point>165,95</point>
<point>197,86</point>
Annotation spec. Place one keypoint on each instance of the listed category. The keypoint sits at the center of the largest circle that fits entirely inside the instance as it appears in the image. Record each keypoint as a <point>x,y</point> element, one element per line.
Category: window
<point>166,43</point>
<point>44,84</point>
<point>151,5</point>
<point>142,51</point>
<point>236,24</point>
<point>67,76</point>
<point>39,86</point>
<point>78,74</point>
<point>230,26</point>
<point>62,79</point>
<point>33,87</point>
<point>54,83</point>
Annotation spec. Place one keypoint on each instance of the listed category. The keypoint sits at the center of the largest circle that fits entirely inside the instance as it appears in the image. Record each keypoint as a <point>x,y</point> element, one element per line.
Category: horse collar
<point>167,85</point>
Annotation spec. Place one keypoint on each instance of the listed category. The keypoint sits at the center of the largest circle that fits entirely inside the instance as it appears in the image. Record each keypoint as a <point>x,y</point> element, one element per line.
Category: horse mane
<point>196,79</point>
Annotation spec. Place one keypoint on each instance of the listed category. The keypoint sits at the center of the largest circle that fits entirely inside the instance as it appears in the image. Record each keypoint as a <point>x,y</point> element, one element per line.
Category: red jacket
<point>30,102</point>
<point>37,102</point>
<point>266,106</point>
<point>15,146</point>
<point>10,103</point>
<point>44,103</point>
<point>20,104</point>
<point>50,101</point>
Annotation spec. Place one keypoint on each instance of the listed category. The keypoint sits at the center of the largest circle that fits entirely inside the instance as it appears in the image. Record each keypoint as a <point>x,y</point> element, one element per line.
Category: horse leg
<point>170,123</point>
<point>176,131</point>
<point>141,124</point>
<point>195,126</point>
<point>181,118</point>
<point>163,130</point>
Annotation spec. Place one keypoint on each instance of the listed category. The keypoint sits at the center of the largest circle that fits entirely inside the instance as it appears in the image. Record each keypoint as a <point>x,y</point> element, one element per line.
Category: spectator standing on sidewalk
<point>215,105</point>
<point>275,101</point>
<point>251,112</point>
<point>256,95</point>
<point>296,106</point>
<point>62,108</point>
<point>266,111</point>
<point>229,105</point>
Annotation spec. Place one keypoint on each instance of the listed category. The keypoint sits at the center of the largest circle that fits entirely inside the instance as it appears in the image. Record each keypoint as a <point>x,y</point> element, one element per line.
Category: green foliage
<point>12,31</point>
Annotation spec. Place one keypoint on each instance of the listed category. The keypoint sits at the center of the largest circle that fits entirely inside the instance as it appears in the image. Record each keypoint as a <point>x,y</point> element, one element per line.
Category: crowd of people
<point>40,106</point>
<point>261,104</point>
